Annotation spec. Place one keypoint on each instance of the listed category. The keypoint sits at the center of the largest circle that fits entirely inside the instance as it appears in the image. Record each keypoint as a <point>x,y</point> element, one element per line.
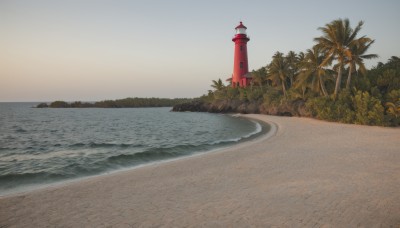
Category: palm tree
<point>335,41</point>
<point>218,85</point>
<point>258,78</point>
<point>314,73</point>
<point>291,59</point>
<point>301,59</point>
<point>278,71</point>
<point>394,60</point>
<point>355,57</point>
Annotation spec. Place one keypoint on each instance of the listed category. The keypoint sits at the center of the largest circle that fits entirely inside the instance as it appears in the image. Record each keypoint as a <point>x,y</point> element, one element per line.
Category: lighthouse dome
<point>241,29</point>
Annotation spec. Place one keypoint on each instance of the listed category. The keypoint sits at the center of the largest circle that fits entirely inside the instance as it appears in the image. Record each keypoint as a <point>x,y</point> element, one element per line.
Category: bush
<point>255,95</point>
<point>326,108</point>
<point>393,96</point>
<point>272,97</point>
<point>232,93</point>
<point>392,105</point>
<point>368,109</point>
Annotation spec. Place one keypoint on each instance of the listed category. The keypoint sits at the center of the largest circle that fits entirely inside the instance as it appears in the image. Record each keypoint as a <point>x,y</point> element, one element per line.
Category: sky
<point>87,50</point>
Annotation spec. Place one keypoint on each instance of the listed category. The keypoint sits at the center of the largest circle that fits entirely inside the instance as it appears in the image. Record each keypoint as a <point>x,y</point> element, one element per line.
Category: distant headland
<point>135,102</point>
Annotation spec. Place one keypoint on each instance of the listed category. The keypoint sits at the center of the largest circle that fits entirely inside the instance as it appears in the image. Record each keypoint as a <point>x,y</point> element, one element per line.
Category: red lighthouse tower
<point>241,76</point>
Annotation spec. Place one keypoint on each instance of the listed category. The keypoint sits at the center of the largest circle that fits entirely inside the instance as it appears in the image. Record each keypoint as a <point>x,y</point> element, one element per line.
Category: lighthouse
<point>241,76</point>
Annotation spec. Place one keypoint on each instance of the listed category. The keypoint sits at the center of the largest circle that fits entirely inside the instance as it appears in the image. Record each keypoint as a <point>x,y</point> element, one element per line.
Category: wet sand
<point>309,173</point>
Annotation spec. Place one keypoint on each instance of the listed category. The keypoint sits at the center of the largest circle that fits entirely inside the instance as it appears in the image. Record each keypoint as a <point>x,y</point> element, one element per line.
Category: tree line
<point>135,102</point>
<point>329,80</point>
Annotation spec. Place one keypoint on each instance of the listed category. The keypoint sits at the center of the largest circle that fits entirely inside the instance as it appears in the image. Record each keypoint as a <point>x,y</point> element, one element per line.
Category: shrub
<point>326,108</point>
<point>254,95</point>
<point>272,97</point>
<point>232,93</point>
<point>368,109</point>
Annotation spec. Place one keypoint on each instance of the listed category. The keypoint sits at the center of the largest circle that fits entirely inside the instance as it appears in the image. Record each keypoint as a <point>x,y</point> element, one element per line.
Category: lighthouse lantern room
<point>241,76</point>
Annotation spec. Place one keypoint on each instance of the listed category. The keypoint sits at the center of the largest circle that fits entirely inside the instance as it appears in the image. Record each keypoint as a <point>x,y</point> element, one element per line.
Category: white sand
<point>310,173</point>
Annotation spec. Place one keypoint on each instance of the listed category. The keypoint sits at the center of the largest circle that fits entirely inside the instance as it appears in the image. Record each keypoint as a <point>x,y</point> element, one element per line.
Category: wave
<point>155,154</point>
<point>104,145</point>
<point>161,153</point>
<point>255,132</point>
<point>9,181</point>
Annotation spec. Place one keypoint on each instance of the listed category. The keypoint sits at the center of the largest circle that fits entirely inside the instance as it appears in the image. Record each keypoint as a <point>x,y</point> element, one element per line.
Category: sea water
<point>44,146</point>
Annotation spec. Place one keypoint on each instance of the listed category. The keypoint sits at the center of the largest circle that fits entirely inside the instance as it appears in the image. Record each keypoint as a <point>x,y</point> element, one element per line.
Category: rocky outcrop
<point>193,106</point>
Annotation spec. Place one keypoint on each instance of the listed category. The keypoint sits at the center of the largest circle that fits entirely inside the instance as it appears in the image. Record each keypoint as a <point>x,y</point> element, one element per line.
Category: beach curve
<point>310,173</point>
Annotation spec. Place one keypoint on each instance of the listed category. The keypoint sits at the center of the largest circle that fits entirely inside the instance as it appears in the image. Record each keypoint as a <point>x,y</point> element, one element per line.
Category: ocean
<point>39,147</point>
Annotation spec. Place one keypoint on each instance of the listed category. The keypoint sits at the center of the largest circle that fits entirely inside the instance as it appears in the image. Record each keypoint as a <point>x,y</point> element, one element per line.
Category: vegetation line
<point>120,103</point>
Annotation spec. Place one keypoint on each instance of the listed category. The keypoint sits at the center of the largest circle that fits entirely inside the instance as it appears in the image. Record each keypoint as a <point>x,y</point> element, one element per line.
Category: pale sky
<point>91,50</point>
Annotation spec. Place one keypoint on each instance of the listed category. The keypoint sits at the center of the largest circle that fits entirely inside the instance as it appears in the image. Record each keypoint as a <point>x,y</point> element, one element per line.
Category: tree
<point>278,71</point>
<point>314,73</point>
<point>258,78</point>
<point>218,85</point>
<point>292,59</point>
<point>355,57</point>
<point>335,41</point>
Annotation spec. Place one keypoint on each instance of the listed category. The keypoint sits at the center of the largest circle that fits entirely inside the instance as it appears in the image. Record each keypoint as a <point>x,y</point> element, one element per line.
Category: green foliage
<point>362,108</point>
<point>313,72</point>
<point>383,78</point>
<point>392,106</point>
<point>321,108</point>
<point>363,83</point>
<point>207,98</point>
<point>272,97</point>
<point>217,85</point>
<point>78,104</point>
<point>376,93</point>
<point>140,102</point>
<point>243,94</point>
<point>255,94</point>
<point>327,108</point>
<point>232,93</point>
<point>42,105</point>
<point>338,41</point>
<point>389,80</point>
<point>121,103</point>
<point>297,93</point>
<point>278,71</point>
<point>393,96</point>
<point>368,109</point>
<point>259,77</point>
<point>59,104</point>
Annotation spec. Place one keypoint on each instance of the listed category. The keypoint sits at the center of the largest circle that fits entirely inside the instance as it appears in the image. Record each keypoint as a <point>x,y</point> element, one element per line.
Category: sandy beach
<point>308,173</point>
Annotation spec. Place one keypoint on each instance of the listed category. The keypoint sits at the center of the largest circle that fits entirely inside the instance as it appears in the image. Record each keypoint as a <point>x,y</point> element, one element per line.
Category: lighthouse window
<point>241,47</point>
<point>241,65</point>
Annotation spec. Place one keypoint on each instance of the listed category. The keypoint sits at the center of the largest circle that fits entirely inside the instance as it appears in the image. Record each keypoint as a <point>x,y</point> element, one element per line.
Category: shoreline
<point>253,137</point>
<point>309,173</point>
